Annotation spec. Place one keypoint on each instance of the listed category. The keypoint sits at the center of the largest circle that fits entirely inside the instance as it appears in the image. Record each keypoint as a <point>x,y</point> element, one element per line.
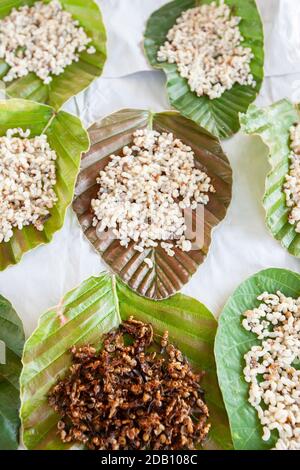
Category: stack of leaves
<point>131,397</point>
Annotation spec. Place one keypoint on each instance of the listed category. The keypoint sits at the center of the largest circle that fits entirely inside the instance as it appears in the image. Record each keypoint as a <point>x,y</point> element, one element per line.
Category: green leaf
<point>233,342</point>
<point>76,77</point>
<point>90,310</point>
<point>218,116</point>
<point>11,346</point>
<point>169,274</point>
<point>273,125</point>
<point>69,139</point>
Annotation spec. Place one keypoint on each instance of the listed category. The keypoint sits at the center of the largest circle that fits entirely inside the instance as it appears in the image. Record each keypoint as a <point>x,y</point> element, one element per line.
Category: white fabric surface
<point>241,244</point>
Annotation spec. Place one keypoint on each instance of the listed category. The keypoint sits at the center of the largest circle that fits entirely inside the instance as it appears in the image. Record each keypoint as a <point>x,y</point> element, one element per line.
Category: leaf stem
<point>116,298</point>
<point>150,120</point>
<point>50,122</point>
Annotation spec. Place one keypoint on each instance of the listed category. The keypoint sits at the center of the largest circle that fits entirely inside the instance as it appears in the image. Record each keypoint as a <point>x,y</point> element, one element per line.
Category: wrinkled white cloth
<point>241,244</point>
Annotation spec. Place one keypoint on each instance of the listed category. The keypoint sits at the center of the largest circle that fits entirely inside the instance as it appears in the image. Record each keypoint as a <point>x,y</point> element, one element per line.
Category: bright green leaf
<point>90,310</point>
<point>233,342</point>
<point>11,347</point>
<point>69,139</point>
<point>273,125</point>
<point>219,116</point>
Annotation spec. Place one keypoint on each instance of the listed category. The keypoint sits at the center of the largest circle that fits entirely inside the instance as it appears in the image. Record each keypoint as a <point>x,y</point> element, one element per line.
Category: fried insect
<point>131,395</point>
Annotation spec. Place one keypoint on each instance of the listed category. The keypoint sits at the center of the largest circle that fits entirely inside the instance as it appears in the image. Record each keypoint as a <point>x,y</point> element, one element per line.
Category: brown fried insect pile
<point>131,396</point>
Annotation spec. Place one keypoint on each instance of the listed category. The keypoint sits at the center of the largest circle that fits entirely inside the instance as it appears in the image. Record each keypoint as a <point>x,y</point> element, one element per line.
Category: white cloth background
<point>241,244</point>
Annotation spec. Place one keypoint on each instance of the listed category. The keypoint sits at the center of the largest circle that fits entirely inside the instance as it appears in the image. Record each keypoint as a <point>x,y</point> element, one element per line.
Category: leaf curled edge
<point>273,124</point>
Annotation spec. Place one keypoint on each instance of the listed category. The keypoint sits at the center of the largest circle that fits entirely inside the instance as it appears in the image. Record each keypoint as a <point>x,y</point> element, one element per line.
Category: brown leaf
<point>168,274</point>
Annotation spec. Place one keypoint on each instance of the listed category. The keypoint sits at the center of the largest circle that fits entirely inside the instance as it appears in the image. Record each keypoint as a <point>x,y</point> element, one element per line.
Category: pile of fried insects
<point>42,38</point>
<point>207,46</point>
<point>133,394</point>
<point>145,191</point>
<point>292,179</point>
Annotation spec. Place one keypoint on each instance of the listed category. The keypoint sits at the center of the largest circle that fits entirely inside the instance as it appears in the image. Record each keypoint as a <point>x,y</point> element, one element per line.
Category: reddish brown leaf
<point>108,136</point>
